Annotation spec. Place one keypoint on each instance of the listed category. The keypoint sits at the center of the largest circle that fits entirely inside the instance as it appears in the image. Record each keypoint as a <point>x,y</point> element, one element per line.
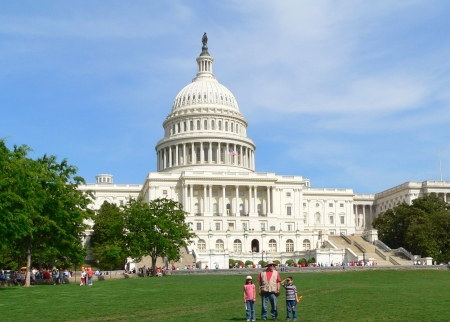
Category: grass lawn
<point>347,296</point>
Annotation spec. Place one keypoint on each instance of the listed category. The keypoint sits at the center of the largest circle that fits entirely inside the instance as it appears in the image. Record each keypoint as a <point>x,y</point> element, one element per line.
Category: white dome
<point>203,92</point>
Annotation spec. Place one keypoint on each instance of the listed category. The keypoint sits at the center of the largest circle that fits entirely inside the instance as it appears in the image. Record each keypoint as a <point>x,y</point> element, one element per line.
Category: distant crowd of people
<point>18,277</point>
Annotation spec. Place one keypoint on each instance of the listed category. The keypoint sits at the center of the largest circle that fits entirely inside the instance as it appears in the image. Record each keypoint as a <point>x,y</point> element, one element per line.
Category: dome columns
<point>205,153</point>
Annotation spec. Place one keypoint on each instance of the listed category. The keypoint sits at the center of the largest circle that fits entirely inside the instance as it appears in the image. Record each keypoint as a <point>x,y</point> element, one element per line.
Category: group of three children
<point>291,298</point>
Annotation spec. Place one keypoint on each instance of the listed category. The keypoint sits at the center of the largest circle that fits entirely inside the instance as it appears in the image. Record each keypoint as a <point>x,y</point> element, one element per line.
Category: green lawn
<point>347,296</point>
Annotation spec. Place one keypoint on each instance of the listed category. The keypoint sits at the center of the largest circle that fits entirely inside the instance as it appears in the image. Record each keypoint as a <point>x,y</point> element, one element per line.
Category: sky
<point>349,94</point>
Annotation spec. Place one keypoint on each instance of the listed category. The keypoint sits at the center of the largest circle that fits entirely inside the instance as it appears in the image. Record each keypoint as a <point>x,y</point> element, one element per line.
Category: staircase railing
<point>393,261</point>
<point>383,246</point>
<point>331,244</point>
<point>380,254</point>
<point>404,252</point>
<point>359,246</point>
<point>346,238</point>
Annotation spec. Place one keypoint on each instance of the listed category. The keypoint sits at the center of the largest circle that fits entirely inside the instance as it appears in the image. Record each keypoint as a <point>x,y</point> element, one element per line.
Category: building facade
<point>206,161</point>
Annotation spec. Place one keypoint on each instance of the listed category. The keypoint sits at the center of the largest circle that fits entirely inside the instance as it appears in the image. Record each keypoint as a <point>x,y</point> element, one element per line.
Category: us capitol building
<point>206,161</point>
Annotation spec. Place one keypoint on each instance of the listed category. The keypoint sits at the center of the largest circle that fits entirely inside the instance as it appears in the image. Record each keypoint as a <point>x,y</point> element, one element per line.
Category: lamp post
<point>364,257</point>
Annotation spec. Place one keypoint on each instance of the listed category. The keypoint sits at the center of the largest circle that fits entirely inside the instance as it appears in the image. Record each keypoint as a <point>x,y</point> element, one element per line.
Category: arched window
<point>198,154</point>
<point>179,127</point>
<point>237,246</point>
<point>219,245</point>
<point>317,218</point>
<point>272,246</point>
<point>259,209</point>
<point>228,209</point>
<point>205,125</point>
<point>306,244</point>
<point>226,126</point>
<point>198,124</point>
<point>212,125</point>
<point>237,128</point>
<point>289,245</point>
<point>215,212</point>
<point>205,153</point>
<point>196,209</point>
<point>241,209</point>
<point>192,125</point>
<point>232,127</point>
<point>220,125</point>
<point>201,245</point>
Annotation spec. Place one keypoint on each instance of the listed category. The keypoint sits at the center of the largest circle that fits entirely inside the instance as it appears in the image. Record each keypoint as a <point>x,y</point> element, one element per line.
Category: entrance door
<point>255,246</point>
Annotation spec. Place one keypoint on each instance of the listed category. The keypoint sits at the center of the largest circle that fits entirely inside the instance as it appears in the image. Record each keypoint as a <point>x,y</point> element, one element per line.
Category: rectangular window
<point>121,202</point>
<point>332,220</point>
<point>288,194</point>
<point>185,127</point>
<point>288,211</point>
<point>263,226</point>
<point>341,205</point>
<point>244,226</point>
<point>164,192</point>
<point>215,193</point>
<point>199,226</point>
<point>342,220</point>
<point>195,192</point>
<point>331,232</point>
<point>289,227</point>
<point>192,125</point>
<point>217,225</point>
<point>227,193</point>
<point>231,226</point>
<point>258,193</point>
<point>330,205</point>
<point>241,193</point>
<point>304,204</point>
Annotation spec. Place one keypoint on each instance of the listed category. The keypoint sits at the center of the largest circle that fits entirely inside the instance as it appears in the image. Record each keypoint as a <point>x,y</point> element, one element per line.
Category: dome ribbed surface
<point>203,92</point>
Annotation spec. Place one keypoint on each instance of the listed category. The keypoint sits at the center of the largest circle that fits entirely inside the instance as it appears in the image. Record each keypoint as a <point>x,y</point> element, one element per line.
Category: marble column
<point>224,205</point>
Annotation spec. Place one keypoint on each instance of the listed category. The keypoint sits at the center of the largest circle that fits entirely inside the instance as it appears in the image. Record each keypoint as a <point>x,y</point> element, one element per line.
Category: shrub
<point>302,260</point>
<point>289,262</point>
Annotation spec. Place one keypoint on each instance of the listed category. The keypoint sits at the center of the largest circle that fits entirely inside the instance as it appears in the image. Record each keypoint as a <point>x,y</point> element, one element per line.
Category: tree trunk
<point>154,257</point>
<point>28,272</point>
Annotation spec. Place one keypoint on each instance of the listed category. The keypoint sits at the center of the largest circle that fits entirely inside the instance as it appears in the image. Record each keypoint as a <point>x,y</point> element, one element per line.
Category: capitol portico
<point>207,162</point>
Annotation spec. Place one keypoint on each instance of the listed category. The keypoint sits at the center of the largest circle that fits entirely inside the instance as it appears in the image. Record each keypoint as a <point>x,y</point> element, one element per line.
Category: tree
<point>422,228</point>
<point>108,237</point>
<point>41,205</point>
<point>156,229</point>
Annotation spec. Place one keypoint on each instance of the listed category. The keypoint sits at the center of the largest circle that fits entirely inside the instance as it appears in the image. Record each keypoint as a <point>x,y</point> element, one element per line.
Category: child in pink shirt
<point>249,299</point>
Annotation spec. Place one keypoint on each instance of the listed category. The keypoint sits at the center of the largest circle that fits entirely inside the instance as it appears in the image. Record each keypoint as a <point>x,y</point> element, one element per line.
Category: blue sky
<point>350,94</point>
